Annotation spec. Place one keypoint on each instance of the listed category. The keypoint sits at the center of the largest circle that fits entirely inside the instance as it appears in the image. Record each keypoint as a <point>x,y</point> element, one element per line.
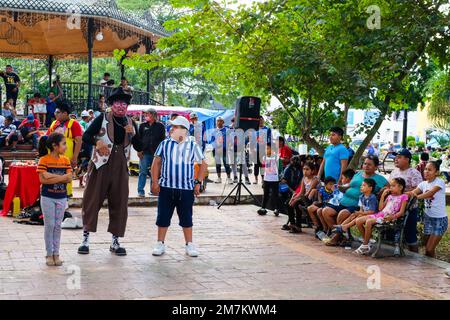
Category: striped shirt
<point>177,170</point>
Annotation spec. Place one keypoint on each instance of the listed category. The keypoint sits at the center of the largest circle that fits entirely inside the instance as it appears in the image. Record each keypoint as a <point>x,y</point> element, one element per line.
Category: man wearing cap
<point>112,134</point>
<point>197,130</point>
<point>412,178</point>
<point>152,133</point>
<point>173,180</point>
<point>85,119</point>
<point>29,130</point>
<point>12,83</point>
<point>219,143</point>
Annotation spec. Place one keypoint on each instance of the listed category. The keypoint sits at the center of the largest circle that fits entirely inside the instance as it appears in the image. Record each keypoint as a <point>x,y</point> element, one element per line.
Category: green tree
<point>313,55</point>
<point>439,107</point>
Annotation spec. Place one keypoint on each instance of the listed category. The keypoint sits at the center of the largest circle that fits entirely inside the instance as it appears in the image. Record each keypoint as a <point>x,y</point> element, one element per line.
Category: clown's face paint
<point>119,108</point>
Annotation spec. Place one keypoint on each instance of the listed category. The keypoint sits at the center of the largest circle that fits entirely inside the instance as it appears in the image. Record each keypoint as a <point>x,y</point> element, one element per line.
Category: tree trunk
<point>312,143</point>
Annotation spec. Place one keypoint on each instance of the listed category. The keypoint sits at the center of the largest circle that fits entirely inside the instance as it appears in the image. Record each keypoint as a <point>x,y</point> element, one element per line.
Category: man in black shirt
<point>12,83</point>
<point>151,133</point>
<point>112,134</point>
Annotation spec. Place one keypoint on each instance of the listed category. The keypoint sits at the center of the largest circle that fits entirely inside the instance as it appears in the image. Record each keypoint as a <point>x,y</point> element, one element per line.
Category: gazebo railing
<point>77,93</point>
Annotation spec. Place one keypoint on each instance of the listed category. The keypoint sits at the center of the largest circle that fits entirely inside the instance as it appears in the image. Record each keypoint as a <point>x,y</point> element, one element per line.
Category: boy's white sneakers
<point>191,251</point>
<point>159,249</point>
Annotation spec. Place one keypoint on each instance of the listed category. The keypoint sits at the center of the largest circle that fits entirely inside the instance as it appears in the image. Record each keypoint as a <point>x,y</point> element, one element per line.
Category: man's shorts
<point>168,200</point>
<point>340,207</point>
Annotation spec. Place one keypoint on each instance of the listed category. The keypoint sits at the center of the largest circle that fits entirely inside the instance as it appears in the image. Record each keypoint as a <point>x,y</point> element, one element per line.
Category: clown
<point>112,134</point>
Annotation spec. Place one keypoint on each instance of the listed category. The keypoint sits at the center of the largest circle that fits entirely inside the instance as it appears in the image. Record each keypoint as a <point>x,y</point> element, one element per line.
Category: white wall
<point>390,131</point>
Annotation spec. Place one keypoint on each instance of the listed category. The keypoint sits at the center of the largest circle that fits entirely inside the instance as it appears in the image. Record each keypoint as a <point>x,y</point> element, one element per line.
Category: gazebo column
<point>90,44</point>
<point>50,70</point>
<point>148,50</point>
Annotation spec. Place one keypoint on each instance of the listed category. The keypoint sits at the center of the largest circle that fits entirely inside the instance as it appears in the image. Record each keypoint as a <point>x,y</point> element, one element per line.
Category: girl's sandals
<point>58,262</point>
<point>363,249</point>
<point>50,261</point>
<point>338,229</point>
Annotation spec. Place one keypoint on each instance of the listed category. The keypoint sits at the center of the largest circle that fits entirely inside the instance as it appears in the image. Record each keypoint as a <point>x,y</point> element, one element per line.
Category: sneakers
<point>363,249</point>
<point>229,181</point>
<point>262,212</point>
<point>116,248</point>
<point>276,212</point>
<point>219,180</point>
<point>83,249</point>
<point>191,251</point>
<point>141,195</point>
<point>159,249</point>
<point>235,180</point>
<point>247,181</point>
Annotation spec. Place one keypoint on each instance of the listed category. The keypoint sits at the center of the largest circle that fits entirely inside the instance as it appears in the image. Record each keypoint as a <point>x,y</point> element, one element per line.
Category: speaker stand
<point>237,188</point>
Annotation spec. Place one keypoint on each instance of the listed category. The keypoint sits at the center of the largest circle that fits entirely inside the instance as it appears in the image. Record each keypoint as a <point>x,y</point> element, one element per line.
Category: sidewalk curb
<point>152,201</point>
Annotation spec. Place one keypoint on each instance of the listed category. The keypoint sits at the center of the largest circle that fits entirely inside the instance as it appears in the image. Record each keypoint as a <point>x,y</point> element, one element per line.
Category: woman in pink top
<point>392,206</point>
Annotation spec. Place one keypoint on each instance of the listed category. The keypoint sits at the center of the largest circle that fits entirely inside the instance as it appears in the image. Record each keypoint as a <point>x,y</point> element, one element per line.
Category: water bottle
<point>16,206</point>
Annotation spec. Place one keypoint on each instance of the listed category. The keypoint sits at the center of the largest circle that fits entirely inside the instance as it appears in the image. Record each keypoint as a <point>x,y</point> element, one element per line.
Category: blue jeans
<point>144,165</point>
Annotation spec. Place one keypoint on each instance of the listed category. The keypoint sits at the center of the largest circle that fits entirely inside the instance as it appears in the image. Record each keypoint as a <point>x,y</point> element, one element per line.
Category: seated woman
<point>392,206</point>
<point>349,202</point>
<point>303,197</point>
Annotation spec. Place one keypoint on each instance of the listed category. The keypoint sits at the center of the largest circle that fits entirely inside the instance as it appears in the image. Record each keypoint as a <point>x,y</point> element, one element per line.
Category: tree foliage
<point>313,55</point>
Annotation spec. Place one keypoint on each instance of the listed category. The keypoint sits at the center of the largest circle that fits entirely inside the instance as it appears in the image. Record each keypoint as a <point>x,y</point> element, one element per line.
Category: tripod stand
<point>237,188</point>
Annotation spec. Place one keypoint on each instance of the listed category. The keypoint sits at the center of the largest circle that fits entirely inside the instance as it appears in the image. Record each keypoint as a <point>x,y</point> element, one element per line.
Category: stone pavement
<point>242,256</point>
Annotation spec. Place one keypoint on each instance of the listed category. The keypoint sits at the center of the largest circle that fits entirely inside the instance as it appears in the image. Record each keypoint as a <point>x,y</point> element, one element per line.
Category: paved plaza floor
<point>242,256</point>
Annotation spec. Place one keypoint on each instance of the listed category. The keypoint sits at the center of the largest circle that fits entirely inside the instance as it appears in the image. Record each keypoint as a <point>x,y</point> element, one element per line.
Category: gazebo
<point>72,29</point>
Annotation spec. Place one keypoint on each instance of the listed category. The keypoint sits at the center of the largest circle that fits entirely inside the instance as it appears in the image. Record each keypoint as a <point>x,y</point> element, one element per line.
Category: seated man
<point>8,134</point>
<point>29,129</point>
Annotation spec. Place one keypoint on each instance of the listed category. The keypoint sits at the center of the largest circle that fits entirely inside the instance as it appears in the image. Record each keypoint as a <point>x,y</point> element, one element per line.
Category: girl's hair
<point>329,179</point>
<point>349,173</point>
<point>310,165</point>
<point>370,182</point>
<point>47,142</point>
<point>401,182</point>
<point>435,164</point>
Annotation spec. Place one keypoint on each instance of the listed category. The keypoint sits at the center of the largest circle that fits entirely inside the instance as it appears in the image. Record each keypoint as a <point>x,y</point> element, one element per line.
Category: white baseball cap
<point>193,115</point>
<point>219,118</point>
<point>84,113</point>
<point>180,121</point>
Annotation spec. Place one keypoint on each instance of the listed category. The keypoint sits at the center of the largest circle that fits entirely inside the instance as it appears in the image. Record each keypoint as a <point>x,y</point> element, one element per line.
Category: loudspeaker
<point>247,113</point>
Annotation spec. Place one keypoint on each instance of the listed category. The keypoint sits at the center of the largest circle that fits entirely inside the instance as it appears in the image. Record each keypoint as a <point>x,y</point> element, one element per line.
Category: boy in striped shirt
<point>173,182</point>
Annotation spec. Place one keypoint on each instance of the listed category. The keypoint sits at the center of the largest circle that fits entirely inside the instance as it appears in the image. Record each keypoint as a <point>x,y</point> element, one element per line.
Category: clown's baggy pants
<point>110,182</point>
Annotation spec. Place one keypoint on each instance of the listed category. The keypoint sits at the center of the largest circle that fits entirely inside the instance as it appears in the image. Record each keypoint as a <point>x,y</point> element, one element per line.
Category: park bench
<point>387,162</point>
<point>393,232</point>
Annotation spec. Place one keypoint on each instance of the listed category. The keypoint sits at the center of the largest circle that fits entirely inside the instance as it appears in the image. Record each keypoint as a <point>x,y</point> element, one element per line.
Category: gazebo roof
<point>59,28</point>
